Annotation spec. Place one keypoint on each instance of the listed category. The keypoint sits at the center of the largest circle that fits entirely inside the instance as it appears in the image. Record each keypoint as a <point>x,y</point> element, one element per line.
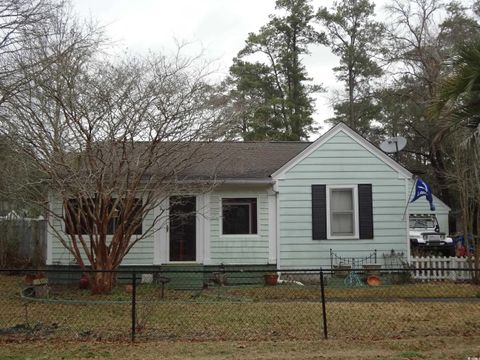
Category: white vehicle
<point>426,238</point>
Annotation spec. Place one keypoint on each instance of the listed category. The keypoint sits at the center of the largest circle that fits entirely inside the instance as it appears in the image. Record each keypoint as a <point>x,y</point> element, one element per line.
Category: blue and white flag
<point>423,189</point>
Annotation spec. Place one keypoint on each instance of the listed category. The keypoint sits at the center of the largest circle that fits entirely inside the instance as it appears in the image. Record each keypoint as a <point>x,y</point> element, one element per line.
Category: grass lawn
<point>246,314</point>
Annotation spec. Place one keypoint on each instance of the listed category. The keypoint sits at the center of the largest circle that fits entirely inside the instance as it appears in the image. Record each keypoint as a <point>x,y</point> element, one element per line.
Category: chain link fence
<point>236,305</point>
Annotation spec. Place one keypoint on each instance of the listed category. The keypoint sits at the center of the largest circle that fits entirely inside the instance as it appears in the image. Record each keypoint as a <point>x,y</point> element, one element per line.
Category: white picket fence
<point>440,268</point>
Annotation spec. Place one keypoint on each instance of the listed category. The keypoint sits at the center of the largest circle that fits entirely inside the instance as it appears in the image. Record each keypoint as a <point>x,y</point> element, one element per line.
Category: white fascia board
<point>341,127</point>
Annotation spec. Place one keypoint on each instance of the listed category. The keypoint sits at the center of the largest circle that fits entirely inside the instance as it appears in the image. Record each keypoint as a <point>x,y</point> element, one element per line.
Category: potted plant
<point>271,278</point>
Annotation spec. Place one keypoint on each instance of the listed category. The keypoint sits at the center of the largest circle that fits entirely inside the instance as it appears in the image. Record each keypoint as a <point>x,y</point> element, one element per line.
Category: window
<point>119,216</point>
<point>239,216</point>
<point>80,217</point>
<point>342,211</point>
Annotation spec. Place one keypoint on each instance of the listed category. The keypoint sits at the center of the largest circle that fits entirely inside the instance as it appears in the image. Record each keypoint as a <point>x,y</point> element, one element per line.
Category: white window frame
<point>242,196</point>
<point>354,189</point>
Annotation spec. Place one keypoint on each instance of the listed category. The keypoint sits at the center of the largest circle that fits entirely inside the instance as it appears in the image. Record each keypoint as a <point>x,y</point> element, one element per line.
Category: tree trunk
<point>351,90</point>
<point>438,165</point>
<point>103,282</point>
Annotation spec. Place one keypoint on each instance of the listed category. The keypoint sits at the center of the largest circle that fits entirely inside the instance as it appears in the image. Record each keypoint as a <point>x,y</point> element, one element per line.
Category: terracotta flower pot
<point>84,282</point>
<point>374,280</point>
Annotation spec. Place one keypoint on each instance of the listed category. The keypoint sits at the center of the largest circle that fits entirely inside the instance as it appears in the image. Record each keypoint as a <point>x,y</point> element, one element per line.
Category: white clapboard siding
<point>440,268</point>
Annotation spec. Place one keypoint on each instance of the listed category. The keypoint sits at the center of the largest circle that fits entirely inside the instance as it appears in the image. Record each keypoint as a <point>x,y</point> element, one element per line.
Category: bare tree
<point>417,59</point>
<point>423,37</point>
<point>20,17</point>
<point>111,140</point>
<point>464,177</point>
<point>35,37</point>
<point>20,21</point>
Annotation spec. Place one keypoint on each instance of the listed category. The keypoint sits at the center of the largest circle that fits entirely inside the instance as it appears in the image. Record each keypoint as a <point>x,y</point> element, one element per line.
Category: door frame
<point>185,205</point>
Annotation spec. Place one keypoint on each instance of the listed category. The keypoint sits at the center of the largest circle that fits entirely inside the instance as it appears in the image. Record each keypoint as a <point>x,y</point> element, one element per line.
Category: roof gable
<point>341,127</point>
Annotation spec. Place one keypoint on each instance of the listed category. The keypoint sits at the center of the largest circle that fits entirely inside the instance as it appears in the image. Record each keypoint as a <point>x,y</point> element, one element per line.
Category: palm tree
<point>459,94</point>
<point>458,101</point>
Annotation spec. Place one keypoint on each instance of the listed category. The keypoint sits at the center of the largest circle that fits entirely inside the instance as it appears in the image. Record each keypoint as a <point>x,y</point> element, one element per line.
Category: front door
<point>183,228</point>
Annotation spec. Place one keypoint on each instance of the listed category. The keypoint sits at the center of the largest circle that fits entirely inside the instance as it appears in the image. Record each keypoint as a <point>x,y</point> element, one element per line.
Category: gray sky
<point>220,27</point>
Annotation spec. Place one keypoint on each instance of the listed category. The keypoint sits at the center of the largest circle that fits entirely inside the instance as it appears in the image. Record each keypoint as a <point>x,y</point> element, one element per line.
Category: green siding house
<point>284,205</point>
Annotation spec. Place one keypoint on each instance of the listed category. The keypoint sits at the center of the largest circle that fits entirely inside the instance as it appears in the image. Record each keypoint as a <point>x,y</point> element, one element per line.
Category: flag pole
<point>414,178</point>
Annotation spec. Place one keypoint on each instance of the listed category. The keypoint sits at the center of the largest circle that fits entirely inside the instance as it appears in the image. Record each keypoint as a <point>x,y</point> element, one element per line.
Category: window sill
<point>236,236</point>
<point>343,238</point>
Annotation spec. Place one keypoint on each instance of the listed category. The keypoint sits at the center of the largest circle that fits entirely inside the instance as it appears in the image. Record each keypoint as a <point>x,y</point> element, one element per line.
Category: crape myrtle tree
<point>111,140</point>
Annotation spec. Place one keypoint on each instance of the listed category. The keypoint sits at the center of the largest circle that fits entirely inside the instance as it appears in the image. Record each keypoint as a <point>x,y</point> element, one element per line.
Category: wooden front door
<point>183,228</point>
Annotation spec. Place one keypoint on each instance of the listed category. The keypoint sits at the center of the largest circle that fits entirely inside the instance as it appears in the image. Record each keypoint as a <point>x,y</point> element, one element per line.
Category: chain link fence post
<point>324,310</point>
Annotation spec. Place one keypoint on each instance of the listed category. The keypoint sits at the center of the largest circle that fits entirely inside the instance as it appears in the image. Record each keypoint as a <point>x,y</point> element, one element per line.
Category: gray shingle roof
<point>190,161</point>
<point>243,160</point>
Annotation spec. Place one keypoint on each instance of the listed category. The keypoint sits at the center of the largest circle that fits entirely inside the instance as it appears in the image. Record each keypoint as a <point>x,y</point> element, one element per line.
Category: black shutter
<point>365,211</point>
<point>319,212</point>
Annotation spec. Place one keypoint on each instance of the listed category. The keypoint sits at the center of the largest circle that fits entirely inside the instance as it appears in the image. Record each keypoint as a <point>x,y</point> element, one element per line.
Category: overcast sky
<point>220,27</point>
